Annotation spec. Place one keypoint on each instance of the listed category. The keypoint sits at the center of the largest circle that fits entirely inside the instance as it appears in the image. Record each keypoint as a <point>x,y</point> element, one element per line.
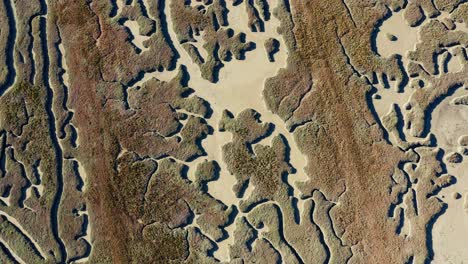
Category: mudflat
<point>246,131</point>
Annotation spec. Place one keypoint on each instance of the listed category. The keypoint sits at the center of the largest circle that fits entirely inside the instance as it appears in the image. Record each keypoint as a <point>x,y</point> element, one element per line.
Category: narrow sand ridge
<point>81,170</point>
<point>87,237</point>
<point>239,87</point>
<point>448,123</point>
<point>17,224</point>
<point>12,252</point>
<point>120,4</point>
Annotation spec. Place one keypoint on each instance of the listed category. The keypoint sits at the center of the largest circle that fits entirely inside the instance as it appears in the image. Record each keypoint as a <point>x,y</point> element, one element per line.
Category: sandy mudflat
<point>448,123</point>
<point>18,225</point>
<point>239,87</point>
<point>454,63</point>
<point>65,76</point>
<point>450,232</point>
<point>12,252</point>
<point>407,36</point>
<point>379,192</point>
<point>137,38</point>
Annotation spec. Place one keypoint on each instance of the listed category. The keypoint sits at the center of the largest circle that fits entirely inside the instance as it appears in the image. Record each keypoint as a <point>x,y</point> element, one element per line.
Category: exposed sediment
<point>247,131</point>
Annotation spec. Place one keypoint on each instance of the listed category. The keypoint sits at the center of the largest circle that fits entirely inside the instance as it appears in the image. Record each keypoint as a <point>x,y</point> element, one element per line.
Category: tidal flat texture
<point>234,131</point>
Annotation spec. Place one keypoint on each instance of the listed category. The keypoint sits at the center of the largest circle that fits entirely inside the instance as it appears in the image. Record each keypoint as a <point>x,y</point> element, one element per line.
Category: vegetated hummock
<point>103,160</point>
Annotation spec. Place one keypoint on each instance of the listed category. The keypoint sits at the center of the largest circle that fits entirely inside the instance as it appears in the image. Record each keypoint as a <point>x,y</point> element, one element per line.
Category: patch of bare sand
<point>448,123</point>
<point>450,232</point>
<point>452,62</point>
<point>239,87</point>
<point>120,4</point>
<point>81,170</point>
<point>12,252</point>
<point>406,36</point>
<point>135,32</point>
<point>65,76</point>
<point>29,237</point>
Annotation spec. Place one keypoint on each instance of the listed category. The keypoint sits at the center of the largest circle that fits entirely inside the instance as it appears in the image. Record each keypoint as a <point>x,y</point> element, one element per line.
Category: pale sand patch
<point>81,169</point>
<point>83,174</point>
<point>407,36</point>
<point>451,229</point>
<point>239,87</point>
<point>450,232</point>
<point>87,237</point>
<point>389,96</point>
<point>5,200</point>
<point>454,63</point>
<point>165,76</point>
<point>135,31</point>
<point>17,224</point>
<point>66,83</point>
<point>120,5</point>
<point>238,20</point>
<point>461,26</point>
<point>199,45</point>
<point>12,252</point>
<point>65,76</point>
<point>448,123</point>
